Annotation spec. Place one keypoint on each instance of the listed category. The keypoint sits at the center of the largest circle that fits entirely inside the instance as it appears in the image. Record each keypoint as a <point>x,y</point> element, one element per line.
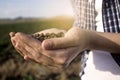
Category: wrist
<point>88,39</point>
<point>84,38</point>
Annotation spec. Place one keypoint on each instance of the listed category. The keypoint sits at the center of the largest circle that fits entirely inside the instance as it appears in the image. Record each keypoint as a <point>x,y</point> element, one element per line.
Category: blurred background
<point>30,16</point>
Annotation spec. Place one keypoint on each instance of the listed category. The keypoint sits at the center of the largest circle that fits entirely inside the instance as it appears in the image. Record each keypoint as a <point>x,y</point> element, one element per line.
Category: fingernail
<point>26,57</point>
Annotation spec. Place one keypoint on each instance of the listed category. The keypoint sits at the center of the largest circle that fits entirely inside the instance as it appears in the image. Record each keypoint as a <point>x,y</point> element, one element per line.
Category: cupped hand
<point>68,47</point>
<point>75,37</point>
<point>30,48</point>
<point>60,54</point>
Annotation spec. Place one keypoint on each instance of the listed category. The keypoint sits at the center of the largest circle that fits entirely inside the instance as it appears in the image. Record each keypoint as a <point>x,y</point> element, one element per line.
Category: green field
<point>31,26</point>
<point>11,61</point>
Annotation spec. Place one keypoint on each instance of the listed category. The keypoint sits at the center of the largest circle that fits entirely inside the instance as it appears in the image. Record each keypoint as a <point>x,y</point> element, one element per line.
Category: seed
<point>42,36</point>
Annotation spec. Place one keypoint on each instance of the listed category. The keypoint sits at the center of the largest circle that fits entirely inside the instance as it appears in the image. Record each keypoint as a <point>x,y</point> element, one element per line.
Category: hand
<point>67,47</point>
<point>75,37</point>
<point>30,48</point>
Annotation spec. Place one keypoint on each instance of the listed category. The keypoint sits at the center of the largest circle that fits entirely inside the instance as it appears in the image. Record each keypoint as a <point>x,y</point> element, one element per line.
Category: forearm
<point>104,41</point>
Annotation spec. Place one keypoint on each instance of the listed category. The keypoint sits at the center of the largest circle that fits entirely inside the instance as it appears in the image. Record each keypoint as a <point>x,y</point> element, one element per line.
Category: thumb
<point>58,43</point>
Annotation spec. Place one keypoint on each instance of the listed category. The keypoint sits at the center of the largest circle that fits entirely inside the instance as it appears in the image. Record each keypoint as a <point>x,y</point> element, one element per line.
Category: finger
<point>31,55</point>
<point>13,41</point>
<point>26,54</point>
<point>21,49</point>
<point>27,58</point>
<point>32,52</point>
<point>24,49</point>
<point>29,40</point>
<point>12,34</point>
<point>58,43</point>
<point>63,56</point>
<point>45,60</point>
<point>16,43</point>
<point>19,52</point>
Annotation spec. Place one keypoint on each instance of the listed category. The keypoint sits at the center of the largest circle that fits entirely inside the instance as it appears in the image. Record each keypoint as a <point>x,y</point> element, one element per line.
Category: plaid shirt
<point>84,14</point>
<point>111,20</point>
<point>85,19</point>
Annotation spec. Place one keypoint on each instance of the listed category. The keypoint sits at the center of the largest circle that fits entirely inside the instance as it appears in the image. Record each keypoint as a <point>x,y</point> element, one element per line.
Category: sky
<point>34,8</point>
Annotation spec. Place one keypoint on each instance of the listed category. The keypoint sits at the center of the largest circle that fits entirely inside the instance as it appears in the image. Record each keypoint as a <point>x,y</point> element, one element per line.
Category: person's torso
<point>100,65</point>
